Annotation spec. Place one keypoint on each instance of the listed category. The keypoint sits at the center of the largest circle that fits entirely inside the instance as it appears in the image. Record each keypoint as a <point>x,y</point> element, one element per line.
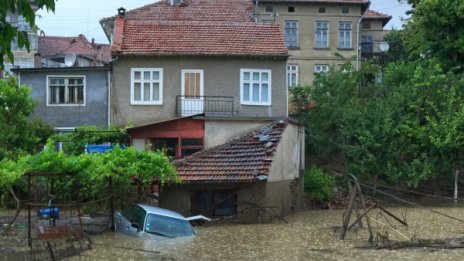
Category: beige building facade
<point>321,34</point>
<point>373,33</point>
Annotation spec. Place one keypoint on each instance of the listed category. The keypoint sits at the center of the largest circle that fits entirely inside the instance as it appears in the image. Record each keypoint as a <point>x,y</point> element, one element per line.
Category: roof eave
<point>272,56</point>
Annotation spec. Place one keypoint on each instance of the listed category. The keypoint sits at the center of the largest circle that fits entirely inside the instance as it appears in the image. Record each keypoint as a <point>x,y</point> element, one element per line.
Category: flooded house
<point>191,76</point>
<point>253,178</point>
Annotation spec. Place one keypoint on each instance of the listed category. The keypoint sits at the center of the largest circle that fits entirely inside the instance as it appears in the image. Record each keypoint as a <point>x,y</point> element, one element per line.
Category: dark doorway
<point>167,144</point>
<point>214,202</point>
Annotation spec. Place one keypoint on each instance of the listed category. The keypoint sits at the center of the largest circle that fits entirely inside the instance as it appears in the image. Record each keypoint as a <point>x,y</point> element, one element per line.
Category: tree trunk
<point>18,207</point>
<point>111,201</point>
<point>456,175</point>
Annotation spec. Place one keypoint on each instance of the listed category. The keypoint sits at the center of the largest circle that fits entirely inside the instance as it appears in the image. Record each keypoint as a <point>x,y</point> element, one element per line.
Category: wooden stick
<point>347,216</point>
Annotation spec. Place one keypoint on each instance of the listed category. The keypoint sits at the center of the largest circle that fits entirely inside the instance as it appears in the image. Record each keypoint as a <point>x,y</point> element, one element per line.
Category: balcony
<point>221,106</point>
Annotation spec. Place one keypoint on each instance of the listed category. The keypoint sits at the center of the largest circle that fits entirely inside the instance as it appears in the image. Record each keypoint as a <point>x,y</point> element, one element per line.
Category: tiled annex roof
<point>371,14</point>
<point>364,2</point>
<point>199,27</point>
<point>58,45</point>
<point>374,14</point>
<point>239,160</point>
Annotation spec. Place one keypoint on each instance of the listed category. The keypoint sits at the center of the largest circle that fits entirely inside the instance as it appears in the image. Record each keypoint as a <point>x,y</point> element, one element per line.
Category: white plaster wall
<point>289,156</point>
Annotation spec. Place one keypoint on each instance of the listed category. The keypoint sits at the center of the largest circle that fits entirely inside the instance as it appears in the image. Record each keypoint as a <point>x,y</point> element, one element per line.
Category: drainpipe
<point>109,94</point>
<point>357,38</point>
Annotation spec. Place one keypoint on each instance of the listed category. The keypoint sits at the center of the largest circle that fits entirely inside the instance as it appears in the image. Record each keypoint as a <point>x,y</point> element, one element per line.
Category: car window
<point>136,214</point>
<point>168,226</point>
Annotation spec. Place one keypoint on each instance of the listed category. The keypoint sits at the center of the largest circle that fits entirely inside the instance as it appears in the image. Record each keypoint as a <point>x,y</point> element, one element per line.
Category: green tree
<point>318,185</point>
<point>397,51</point>
<point>434,30</point>
<point>383,129</point>
<point>10,32</point>
<point>17,133</point>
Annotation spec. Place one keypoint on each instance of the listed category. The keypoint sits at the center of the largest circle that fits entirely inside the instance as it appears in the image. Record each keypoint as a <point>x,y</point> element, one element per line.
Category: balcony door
<point>192,92</point>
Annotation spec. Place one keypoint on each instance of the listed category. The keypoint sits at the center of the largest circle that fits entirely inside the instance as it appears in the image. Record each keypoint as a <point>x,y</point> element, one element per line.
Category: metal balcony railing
<point>221,106</point>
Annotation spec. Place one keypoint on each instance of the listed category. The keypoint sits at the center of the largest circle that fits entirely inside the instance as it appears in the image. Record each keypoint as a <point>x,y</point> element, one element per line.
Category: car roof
<point>161,211</point>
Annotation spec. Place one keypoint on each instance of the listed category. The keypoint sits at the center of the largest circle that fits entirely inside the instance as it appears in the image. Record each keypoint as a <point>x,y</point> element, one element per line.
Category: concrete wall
<point>257,202</point>
<point>289,156</point>
<point>218,132</point>
<point>221,78</point>
<point>95,110</point>
<point>250,195</point>
<point>306,55</point>
<point>285,182</point>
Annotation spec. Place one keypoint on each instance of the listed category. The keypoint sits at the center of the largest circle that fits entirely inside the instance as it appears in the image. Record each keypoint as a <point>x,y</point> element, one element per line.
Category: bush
<point>318,185</point>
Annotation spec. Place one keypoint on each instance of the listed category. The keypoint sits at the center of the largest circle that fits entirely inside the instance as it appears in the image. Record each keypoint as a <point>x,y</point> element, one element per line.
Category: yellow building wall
<point>307,56</point>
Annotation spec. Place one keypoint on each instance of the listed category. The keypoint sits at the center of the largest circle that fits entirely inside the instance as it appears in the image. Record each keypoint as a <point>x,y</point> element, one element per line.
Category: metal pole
<point>357,38</point>
<point>29,223</point>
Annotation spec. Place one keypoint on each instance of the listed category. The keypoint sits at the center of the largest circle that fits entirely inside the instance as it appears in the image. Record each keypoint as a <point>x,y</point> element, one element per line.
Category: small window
<point>168,145</point>
<point>322,34</point>
<point>321,68</point>
<point>66,90</point>
<point>292,75</point>
<point>366,25</point>
<point>190,146</point>
<point>255,87</point>
<point>291,9</point>
<point>322,10</point>
<point>291,33</point>
<point>345,10</point>
<point>269,9</point>
<point>344,35</point>
<point>192,142</point>
<point>146,86</point>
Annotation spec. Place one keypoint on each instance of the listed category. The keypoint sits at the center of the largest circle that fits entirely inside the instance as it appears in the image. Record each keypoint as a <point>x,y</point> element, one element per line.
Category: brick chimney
<point>118,31</point>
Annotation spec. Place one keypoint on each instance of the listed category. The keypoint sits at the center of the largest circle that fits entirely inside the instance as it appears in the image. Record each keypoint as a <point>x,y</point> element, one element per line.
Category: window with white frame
<point>292,75</point>
<point>344,35</point>
<point>255,87</point>
<point>66,90</point>
<point>321,68</point>
<point>146,86</point>
<point>291,33</point>
<point>322,34</point>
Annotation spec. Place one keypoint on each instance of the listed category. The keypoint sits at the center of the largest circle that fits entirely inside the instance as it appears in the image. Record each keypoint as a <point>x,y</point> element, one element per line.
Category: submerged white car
<point>154,223</point>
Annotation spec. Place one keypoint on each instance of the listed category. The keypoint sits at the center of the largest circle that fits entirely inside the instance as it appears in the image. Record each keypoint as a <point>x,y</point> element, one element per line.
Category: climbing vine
<point>122,165</point>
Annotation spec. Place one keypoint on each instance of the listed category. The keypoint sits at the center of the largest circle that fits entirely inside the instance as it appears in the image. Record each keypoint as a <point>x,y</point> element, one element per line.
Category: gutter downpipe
<point>357,38</point>
<point>109,93</point>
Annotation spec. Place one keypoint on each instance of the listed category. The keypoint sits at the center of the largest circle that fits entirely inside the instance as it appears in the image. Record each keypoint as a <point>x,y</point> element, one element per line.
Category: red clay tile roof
<point>58,45</point>
<point>375,14</point>
<point>364,2</point>
<point>371,14</point>
<point>199,27</point>
<point>239,160</point>
<point>202,38</point>
<point>194,10</point>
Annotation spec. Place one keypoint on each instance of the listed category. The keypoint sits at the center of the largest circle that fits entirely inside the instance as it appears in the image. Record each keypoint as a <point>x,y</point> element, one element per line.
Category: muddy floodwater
<point>308,235</point>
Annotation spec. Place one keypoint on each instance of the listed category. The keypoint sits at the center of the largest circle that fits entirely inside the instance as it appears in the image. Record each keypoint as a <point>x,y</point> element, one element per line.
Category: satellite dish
<point>69,59</point>
<point>384,46</point>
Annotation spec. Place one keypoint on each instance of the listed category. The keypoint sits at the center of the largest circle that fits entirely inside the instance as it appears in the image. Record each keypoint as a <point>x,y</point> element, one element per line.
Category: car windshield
<point>168,226</point>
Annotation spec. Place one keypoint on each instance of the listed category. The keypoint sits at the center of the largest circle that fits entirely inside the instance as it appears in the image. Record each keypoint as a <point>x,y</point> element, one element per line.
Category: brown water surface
<point>308,236</point>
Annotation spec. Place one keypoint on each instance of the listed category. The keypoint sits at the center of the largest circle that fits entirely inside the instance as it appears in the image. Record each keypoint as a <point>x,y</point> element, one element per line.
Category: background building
<point>321,34</point>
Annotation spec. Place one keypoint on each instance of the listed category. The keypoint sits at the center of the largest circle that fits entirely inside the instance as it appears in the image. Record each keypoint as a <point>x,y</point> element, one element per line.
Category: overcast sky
<point>82,16</point>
